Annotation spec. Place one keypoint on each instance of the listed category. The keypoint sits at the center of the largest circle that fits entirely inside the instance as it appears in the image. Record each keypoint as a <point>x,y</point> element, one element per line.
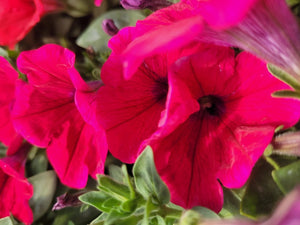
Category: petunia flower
<point>17,17</point>
<point>8,77</point>
<point>15,190</point>
<point>129,110</point>
<point>46,115</point>
<point>266,28</point>
<point>98,2</point>
<point>219,118</point>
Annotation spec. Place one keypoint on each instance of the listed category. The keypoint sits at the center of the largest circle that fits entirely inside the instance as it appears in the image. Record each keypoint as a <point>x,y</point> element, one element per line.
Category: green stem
<point>272,162</point>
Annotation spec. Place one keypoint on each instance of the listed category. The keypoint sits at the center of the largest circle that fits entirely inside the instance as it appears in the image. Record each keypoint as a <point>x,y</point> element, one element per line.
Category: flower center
<point>161,88</point>
<point>212,104</point>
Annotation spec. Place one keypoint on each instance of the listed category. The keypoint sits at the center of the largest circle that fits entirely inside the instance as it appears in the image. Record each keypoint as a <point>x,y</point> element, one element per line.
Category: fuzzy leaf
<point>231,206</point>
<point>282,75</point>
<point>286,94</point>
<point>115,172</point>
<point>95,37</point>
<point>157,220</point>
<point>6,221</point>
<point>147,180</point>
<point>113,188</point>
<point>95,199</point>
<point>262,193</point>
<point>205,212</point>
<point>287,177</point>
<point>44,185</point>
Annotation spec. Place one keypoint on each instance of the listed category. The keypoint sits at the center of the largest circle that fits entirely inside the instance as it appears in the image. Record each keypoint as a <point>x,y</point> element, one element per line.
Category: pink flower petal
<point>98,2</point>
<point>224,137</point>
<point>17,17</point>
<point>189,171</point>
<point>132,105</point>
<point>70,153</point>
<point>222,14</point>
<point>15,190</point>
<point>46,115</point>
<point>180,22</point>
<point>8,77</point>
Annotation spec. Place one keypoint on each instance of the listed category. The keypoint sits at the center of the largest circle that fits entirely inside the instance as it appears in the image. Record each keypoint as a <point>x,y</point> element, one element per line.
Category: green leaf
<point>205,212</point>
<point>147,180</point>
<point>114,217</point>
<point>190,217</point>
<point>113,188</point>
<point>39,163</point>
<point>284,76</point>
<point>157,220</point>
<point>64,216</point>
<point>44,185</point>
<point>116,173</point>
<point>286,94</point>
<point>292,2</point>
<point>129,205</point>
<point>79,8</point>
<point>6,221</point>
<point>128,180</point>
<point>3,150</point>
<point>287,177</point>
<point>262,193</point>
<point>95,37</point>
<point>96,199</point>
<point>111,203</point>
<point>3,53</point>
<point>231,206</point>
<point>100,219</point>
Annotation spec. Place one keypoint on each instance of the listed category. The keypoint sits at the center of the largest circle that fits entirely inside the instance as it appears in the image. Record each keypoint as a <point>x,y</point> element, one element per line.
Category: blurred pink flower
<point>98,2</point>
<point>17,17</point>
<point>15,190</point>
<point>8,77</point>
<point>129,110</point>
<point>219,119</point>
<point>266,28</point>
<point>46,115</point>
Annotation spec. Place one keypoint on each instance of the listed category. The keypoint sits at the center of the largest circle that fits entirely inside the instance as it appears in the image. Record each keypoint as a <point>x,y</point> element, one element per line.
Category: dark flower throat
<point>211,104</point>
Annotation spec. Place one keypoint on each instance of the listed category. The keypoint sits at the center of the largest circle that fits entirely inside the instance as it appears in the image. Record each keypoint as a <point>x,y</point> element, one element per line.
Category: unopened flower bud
<point>109,27</point>
<point>143,4</point>
<point>67,200</point>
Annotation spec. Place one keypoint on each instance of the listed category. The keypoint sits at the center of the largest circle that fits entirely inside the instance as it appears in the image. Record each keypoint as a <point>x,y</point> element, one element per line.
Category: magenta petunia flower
<point>253,25</point>
<point>98,2</point>
<point>219,118</point>
<point>46,115</point>
<point>15,190</point>
<point>129,110</point>
<point>17,17</point>
<point>8,77</point>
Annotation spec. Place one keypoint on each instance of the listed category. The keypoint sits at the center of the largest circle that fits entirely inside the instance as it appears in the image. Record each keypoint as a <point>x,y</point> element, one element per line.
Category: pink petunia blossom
<point>129,110</point>
<point>98,2</point>
<point>253,25</point>
<point>17,17</point>
<point>8,77</point>
<point>46,115</point>
<point>15,190</point>
<point>219,118</point>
